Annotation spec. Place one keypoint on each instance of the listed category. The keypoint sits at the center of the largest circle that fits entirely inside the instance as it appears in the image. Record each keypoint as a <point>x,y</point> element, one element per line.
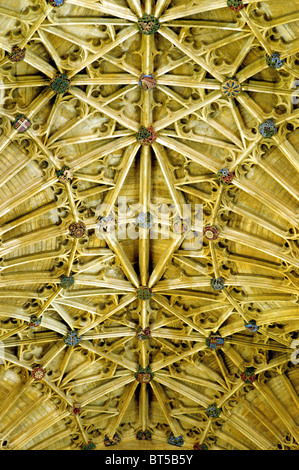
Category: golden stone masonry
<point>149,341</point>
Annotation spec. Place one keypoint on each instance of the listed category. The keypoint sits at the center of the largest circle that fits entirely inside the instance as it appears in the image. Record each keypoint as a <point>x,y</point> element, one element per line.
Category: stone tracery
<point>91,129</point>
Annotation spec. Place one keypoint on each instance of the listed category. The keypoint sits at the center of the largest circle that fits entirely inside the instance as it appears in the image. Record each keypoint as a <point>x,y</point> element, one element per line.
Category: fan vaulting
<point>124,323</point>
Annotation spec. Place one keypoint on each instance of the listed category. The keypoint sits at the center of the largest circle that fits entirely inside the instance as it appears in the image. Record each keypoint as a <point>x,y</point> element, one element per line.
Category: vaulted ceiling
<point>75,182</point>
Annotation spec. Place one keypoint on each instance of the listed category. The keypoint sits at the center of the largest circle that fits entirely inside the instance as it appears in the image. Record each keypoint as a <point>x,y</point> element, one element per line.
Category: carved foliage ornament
<point>230,88</point>
<point>111,442</point>
<point>38,373</point>
<point>89,446</point>
<point>143,334</point>
<point>17,54</point>
<point>144,293</point>
<point>60,83</point>
<point>146,135</point>
<point>56,3</point>
<point>217,283</point>
<point>144,435</point>
<point>175,440</point>
<point>75,409</point>
<point>235,5</point>
<point>67,281</point>
<point>274,61</point>
<point>212,411</point>
<point>268,129</point>
<point>148,24</point>
<point>198,446</point>
<point>225,176</point>
<point>72,338</point>
<point>77,229</point>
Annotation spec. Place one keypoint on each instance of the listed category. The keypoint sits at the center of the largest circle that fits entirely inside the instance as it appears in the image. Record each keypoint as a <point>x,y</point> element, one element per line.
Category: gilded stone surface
<point>202,212</point>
